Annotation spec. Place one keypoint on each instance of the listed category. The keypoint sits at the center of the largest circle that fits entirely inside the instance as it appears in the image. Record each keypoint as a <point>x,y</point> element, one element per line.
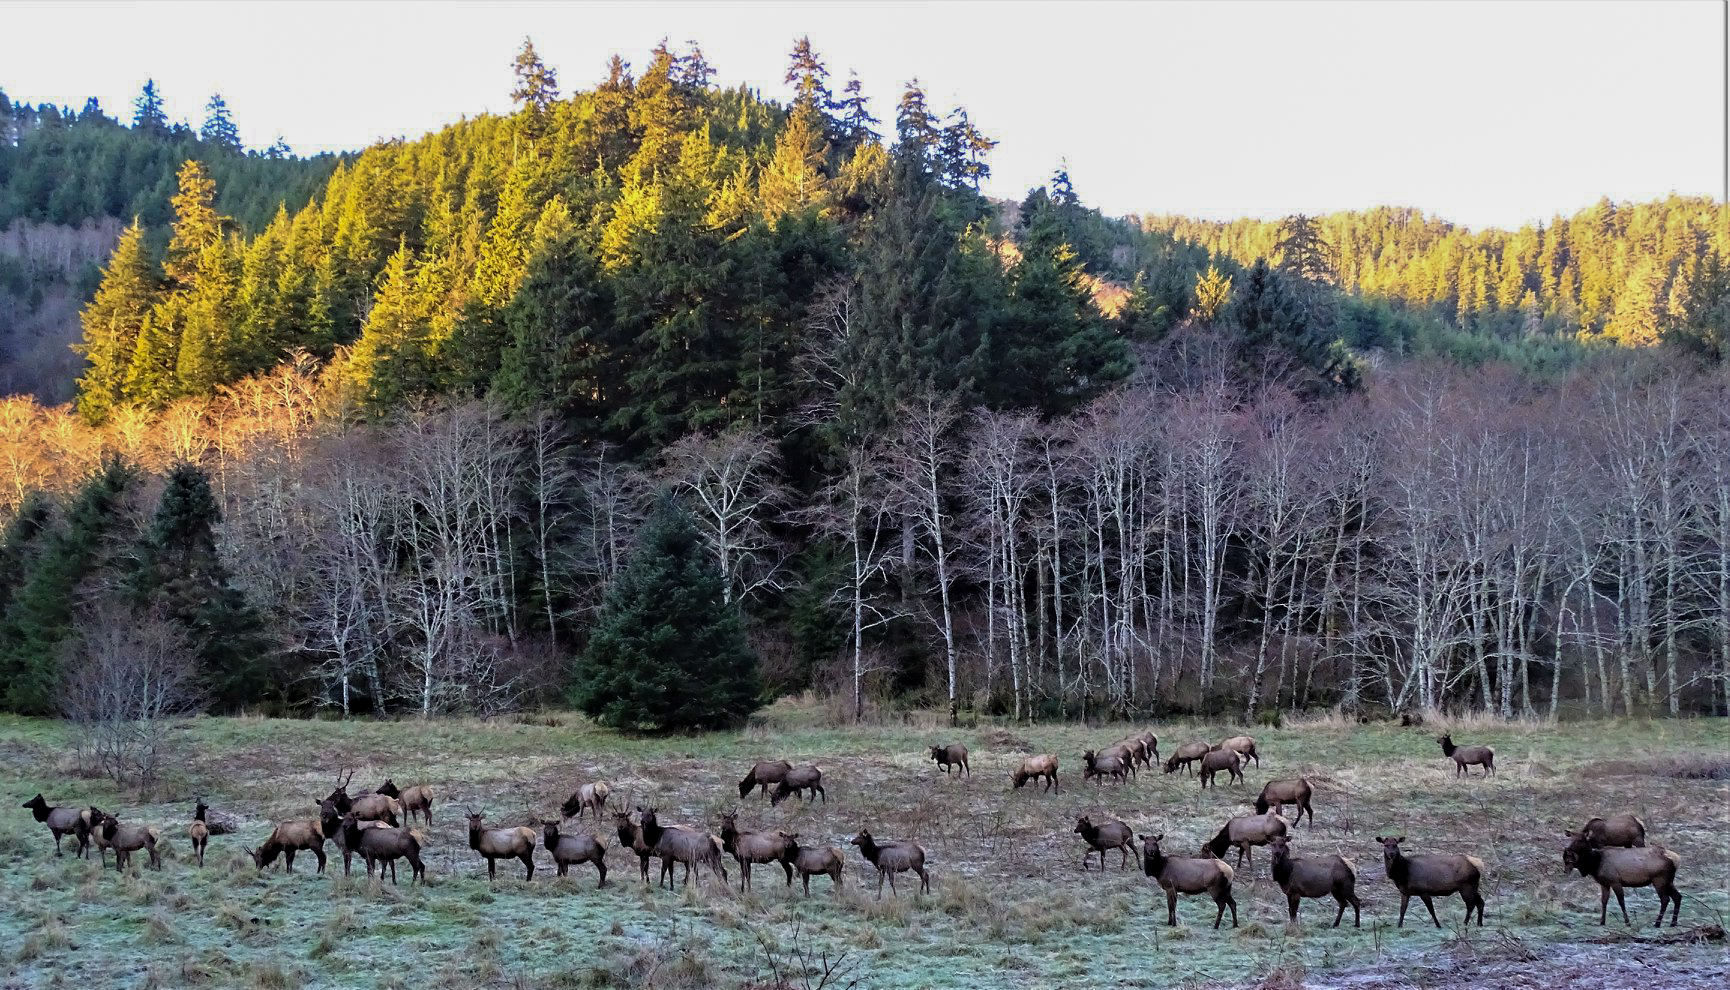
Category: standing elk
<point>1279,793</point>
<point>368,807</point>
<point>1187,754</point>
<point>330,822</point>
<point>199,831</point>
<point>572,850</point>
<point>762,775</point>
<point>128,839</point>
<point>890,858</point>
<point>1097,766</point>
<point>1618,868</point>
<point>952,755</point>
<point>754,847</point>
<point>589,797</point>
<point>1110,834</point>
<point>1245,832</point>
<point>631,837</point>
<point>1468,756</point>
<point>62,821</point>
<point>677,843</point>
<point>813,861</point>
<point>1215,760</point>
<point>418,798</point>
<point>1433,875</point>
<point>383,845</point>
<point>1321,876</point>
<point>1043,768</point>
<point>1244,747</point>
<point>1182,875</point>
<point>798,781</point>
<point>290,837</point>
<point>502,843</point>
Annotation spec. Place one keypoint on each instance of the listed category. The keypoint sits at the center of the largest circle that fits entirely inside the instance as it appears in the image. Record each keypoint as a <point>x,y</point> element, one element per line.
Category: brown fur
<point>1619,830</point>
<point>1321,876</point>
<point>764,774</point>
<point>383,845</point>
<point>63,821</point>
<point>891,858</point>
<point>1109,834</point>
<point>418,798</point>
<point>1245,832</point>
<point>1187,754</point>
<point>631,837</point>
<point>1433,875</point>
<point>128,839</point>
<point>798,781</point>
<point>1618,868</point>
<point>1043,767</point>
<point>1278,793</point>
<point>1188,876</point>
<point>1468,756</point>
<point>502,843</point>
<point>198,831</point>
<point>953,755</point>
<point>678,843</point>
<point>1244,746</point>
<point>1098,766</point>
<point>1215,760</point>
<point>575,849</point>
<point>290,837</point>
<point>755,847</point>
<point>589,797</point>
<point>813,861</point>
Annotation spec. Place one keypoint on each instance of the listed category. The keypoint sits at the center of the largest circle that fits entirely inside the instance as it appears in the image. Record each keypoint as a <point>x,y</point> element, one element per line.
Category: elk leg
<point>880,873</point>
<point>1432,906</point>
<point>892,891</point>
<point>287,859</point>
<point>924,881</point>
<point>601,865</point>
<point>1171,906</point>
<point>1405,899</point>
<point>1122,859</point>
<point>789,868</point>
<point>1621,902</point>
<point>529,866</point>
<point>1291,903</point>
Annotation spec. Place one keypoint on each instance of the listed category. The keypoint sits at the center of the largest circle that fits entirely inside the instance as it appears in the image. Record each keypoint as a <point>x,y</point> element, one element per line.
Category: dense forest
<point>391,450</point>
<point>70,180</point>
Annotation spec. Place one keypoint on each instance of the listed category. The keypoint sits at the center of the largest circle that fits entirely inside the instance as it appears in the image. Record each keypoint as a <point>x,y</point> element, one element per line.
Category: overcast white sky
<point>1487,113</point>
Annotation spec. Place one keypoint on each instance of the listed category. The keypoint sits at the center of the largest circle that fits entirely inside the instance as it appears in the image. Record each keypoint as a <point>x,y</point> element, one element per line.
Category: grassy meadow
<point>1011,906</point>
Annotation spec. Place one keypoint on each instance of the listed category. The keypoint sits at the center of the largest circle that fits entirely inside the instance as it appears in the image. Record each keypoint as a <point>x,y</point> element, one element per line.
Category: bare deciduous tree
<point>126,681</point>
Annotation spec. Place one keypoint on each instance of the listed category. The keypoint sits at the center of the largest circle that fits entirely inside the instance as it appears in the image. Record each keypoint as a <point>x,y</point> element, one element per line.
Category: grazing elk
<point>631,837</point>
<point>1244,747</point>
<point>952,755</point>
<point>589,797</point>
<point>1215,760</point>
<point>571,850</point>
<point>1109,834</point>
<point>128,839</point>
<point>813,861</point>
<point>199,831</point>
<point>1321,876</point>
<point>764,774</point>
<point>1433,875</point>
<point>1187,754</point>
<point>288,838</point>
<point>1468,756</point>
<point>1152,742</point>
<point>1042,767</point>
<point>798,781</point>
<point>1246,832</point>
<point>754,847</point>
<point>384,845</point>
<point>1279,793</point>
<point>890,858</point>
<point>62,821</point>
<point>1626,831</point>
<point>1616,869</point>
<point>1097,766</point>
<point>502,843</point>
<point>1122,752</point>
<point>677,843</point>
<point>1188,876</point>
<point>1135,747</point>
<point>418,798</point>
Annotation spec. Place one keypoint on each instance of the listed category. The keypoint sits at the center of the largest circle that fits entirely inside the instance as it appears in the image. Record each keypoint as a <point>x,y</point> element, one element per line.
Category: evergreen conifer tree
<point>113,322</point>
<point>219,128</point>
<point>148,115</point>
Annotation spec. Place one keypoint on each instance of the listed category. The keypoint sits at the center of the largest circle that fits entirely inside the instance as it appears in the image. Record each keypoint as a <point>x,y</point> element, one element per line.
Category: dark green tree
<point>857,126</point>
<point>147,113</point>
<point>668,653</point>
<point>219,128</point>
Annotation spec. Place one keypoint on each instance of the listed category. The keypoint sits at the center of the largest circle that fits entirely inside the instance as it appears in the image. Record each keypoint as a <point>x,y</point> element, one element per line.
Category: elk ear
<point>1159,837</point>
<point>1399,840</point>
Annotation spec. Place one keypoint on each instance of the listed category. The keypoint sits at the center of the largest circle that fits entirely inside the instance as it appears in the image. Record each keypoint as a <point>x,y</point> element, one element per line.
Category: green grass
<point>1010,905</point>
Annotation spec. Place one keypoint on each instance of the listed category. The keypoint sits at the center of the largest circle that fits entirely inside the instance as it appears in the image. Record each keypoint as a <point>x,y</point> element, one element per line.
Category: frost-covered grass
<point>1010,904</point>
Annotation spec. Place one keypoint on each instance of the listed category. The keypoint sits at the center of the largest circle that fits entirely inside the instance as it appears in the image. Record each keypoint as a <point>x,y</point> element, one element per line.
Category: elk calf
<point>1110,834</point>
<point>62,821</point>
<point>1467,756</point>
<point>1433,875</point>
<point>572,850</point>
<point>798,781</point>
<point>1188,876</point>
<point>1043,767</point>
<point>1618,868</point>
<point>1318,877</point>
<point>890,858</point>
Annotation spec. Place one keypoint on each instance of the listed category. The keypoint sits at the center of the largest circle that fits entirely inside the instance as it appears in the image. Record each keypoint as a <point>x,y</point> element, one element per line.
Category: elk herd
<point>386,825</point>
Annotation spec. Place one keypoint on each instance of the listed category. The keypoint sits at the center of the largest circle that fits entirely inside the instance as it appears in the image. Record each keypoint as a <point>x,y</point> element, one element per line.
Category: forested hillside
<point>391,450</point>
<point>71,180</point>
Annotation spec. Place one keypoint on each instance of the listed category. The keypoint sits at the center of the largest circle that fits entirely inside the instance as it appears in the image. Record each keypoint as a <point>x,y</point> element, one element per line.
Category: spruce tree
<point>536,91</point>
<point>668,653</point>
<point>148,115</point>
<point>219,126</point>
<point>113,322</point>
<point>196,223</point>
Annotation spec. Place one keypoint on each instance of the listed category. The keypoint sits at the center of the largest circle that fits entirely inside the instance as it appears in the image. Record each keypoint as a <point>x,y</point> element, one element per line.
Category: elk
<point>1187,754</point>
<point>1302,877</point>
<point>417,798</point>
<point>572,850</point>
<point>1616,869</point>
<point>1215,760</point>
<point>677,843</point>
<point>288,838</point>
<point>1152,742</point>
<point>798,781</point>
<point>1123,753</point>
<point>128,839</point>
<point>813,861</point>
<point>1043,767</point>
<point>1110,834</point>
<point>631,837</point>
<point>762,775</point>
<point>1622,830</point>
<point>1243,746</point>
<point>1097,767</point>
<point>754,847</point>
<point>330,822</point>
<point>1135,747</point>
<point>1468,756</point>
<point>94,816</point>
<point>383,845</point>
<point>368,807</point>
<point>1433,875</point>
<point>62,821</point>
<point>1278,793</point>
<point>952,755</point>
<point>589,797</point>
<point>1188,876</point>
<point>502,843</point>
<point>199,831</point>
<point>1245,832</point>
<point>890,858</point>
